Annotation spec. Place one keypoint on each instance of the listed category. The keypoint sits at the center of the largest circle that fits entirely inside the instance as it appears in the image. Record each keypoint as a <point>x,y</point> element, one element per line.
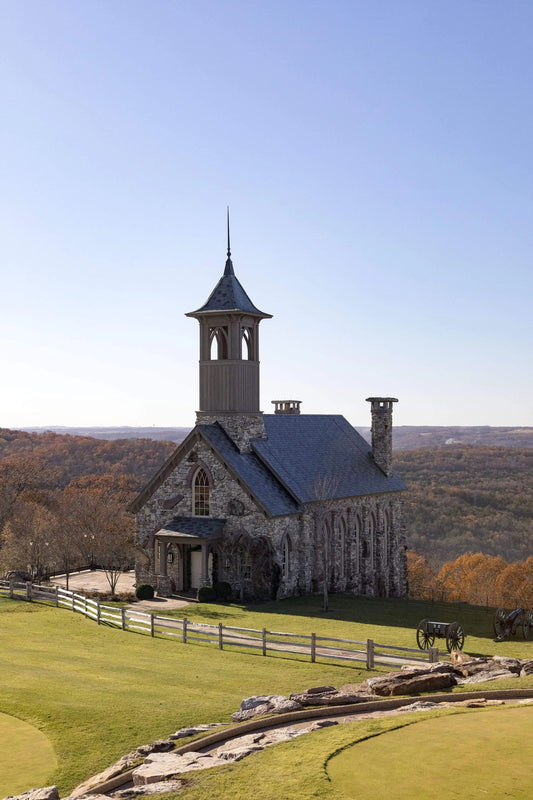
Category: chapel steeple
<point>229,349</point>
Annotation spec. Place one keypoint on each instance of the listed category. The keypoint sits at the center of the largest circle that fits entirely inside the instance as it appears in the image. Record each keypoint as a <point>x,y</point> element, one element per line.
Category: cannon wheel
<point>499,623</point>
<point>455,637</point>
<point>528,625</point>
<point>424,639</point>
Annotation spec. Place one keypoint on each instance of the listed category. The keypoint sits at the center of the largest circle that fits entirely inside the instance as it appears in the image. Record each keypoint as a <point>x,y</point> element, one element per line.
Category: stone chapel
<point>273,504</point>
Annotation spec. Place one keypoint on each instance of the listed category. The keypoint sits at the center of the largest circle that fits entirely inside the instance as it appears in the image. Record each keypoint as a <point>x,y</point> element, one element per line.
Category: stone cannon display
<point>428,631</point>
<point>506,623</point>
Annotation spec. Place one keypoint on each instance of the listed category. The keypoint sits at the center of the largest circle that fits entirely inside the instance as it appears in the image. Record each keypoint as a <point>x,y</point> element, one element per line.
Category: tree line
<point>475,578</point>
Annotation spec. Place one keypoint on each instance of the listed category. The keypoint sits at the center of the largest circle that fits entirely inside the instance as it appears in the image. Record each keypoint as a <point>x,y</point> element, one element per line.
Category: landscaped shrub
<point>206,594</point>
<point>223,591</point>
<point>144,592</point>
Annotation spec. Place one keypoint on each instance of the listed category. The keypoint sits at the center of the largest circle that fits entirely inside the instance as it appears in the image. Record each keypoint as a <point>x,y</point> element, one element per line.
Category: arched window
<point>247,344</point>
<point>372,529</point>
<point>286,556</point>
<point>201,493</point>
<point>341,524</point>
<point>386,534</point>
<point>218,337</point>
<point>358,527</point>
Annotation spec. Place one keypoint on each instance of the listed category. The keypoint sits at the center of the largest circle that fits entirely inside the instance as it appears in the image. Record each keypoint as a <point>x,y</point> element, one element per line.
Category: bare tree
<point>27,540</point>
<point>324,492</point>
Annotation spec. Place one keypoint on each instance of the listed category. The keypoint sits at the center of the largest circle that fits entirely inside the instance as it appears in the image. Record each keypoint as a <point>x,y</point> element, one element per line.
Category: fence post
<point>11,588</point>
<point>433,655</point>
<point>370,654</point>
<point>98,611</point>
<point>123,614</point>
<point>220,640</point>
<point>57,595</point>
<point>28,590</point>
<point>73,602</point>
<point>184,630</point>
<point>86,606</point>
<point>313,647</point>
<point>264,641</point>
<point>152,628</point>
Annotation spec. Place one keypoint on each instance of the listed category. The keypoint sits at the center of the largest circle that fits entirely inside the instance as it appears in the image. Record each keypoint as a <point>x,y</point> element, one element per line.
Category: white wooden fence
<point>183,630</point>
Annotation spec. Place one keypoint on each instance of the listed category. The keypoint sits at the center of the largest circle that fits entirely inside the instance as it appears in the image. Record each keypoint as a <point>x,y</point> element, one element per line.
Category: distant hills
<point>405,437</point>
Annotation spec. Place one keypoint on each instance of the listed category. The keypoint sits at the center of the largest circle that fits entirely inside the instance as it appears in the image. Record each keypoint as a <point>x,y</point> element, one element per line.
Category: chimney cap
<point>286,406</point>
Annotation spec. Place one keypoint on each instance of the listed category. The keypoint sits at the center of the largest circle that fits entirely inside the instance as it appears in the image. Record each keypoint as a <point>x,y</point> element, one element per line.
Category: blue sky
<point>377,159</point>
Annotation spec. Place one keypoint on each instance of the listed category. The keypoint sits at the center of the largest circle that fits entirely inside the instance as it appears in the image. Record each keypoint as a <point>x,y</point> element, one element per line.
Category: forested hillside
<point>61,458</point>
<point>461,498</point>
<point>468,499</point>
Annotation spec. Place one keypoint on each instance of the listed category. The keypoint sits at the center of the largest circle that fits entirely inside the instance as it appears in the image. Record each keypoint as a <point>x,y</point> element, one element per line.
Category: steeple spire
<point>229,265</point>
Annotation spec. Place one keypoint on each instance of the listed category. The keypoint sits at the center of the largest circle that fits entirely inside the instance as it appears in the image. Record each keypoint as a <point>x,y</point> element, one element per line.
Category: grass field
<point>23,744</point>
<point>97,692</point>
<point>484,756</point>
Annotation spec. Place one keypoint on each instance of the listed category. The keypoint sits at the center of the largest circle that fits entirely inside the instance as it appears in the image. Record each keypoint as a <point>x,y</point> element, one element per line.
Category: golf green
<point>23,744</point>
<point>483,753</point>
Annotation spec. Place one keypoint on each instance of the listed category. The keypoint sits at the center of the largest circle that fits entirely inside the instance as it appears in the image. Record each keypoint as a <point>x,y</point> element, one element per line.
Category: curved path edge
<point>319,712</point>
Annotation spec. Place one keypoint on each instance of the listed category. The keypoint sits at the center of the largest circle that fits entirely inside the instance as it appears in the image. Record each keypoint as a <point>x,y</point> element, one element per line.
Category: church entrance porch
<point>183,557</point>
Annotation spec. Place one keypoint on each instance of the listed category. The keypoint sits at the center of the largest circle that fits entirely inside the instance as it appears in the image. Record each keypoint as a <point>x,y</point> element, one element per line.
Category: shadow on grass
<point>400,613</point>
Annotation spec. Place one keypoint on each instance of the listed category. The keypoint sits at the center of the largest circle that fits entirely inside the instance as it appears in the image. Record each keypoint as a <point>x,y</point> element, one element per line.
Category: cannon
<point>427,631</point>
<point>506,623</point>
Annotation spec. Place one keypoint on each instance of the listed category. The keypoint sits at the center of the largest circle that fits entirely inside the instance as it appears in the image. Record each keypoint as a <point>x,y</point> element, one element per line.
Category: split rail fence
<point>186,631</point>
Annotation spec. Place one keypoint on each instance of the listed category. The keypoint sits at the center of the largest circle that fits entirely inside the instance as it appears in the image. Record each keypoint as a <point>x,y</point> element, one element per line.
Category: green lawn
<point>485,755</point>
<point>23,744</point>
<point>97,692</point>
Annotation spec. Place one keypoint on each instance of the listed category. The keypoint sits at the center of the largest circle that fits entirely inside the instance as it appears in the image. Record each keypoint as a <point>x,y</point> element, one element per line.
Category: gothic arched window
<point>218,337</point>
<point>286,556</point>
<point>247,345</point>
<point>201,493</point>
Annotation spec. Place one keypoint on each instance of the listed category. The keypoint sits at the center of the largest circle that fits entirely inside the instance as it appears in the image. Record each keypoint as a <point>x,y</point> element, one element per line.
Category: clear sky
<point>377,158</point>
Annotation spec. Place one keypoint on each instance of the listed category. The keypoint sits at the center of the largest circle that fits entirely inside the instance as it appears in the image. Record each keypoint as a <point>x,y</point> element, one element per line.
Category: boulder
<point>160,766</point>
<point>46,793</point>
<point>526,667</point>
<point>331,698</point>
<point>493,674</point>
<point>151,788</point>
<point>124,763</point>
<point>264,704</point>
<point>195,729</point>
<point>412,681</point>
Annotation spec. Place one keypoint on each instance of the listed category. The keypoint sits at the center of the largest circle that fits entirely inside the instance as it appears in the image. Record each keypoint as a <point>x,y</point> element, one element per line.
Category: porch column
<point>163,558</point>
<point>205,565</point>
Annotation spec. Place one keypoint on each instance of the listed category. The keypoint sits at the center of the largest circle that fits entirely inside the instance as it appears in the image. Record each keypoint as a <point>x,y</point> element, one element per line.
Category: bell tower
<point>229,358</point>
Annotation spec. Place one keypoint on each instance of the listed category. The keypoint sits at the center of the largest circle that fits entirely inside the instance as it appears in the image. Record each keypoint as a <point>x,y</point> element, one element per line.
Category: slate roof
<point>195,527</point>
<point>253,473</point>
<point>316,454</point>
<point>228,295</point>
<point>306,457</point>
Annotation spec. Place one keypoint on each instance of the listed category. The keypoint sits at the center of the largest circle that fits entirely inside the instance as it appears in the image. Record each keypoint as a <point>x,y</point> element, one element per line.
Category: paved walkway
<point>94,580</point>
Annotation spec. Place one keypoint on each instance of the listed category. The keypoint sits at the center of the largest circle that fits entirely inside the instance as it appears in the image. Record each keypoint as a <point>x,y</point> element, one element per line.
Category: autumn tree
<point>422,578</point>
<point>27,541</point>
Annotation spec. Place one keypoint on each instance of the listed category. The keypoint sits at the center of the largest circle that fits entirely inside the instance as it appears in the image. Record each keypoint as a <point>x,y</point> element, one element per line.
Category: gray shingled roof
<point>228,295</point>
<point>315,454</point>
<point>252,472</point>
<point>197,527</point>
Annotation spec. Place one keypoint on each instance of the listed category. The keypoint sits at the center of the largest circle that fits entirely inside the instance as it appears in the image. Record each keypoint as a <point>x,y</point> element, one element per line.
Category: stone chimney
<point>286,406</point>
<point>381,408</point>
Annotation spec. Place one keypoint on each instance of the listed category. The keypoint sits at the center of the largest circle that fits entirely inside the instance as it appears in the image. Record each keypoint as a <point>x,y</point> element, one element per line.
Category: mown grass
<point>481,753</point>
<point>22,743</point>
<point>97,692</point>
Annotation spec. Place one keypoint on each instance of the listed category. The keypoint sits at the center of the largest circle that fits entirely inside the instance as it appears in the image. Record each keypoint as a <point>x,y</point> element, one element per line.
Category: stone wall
<point>358,541</point>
